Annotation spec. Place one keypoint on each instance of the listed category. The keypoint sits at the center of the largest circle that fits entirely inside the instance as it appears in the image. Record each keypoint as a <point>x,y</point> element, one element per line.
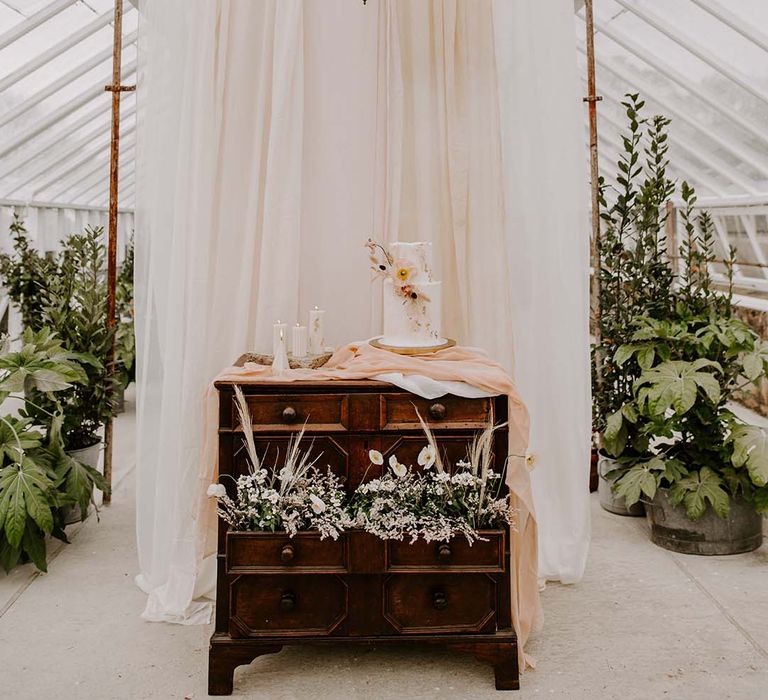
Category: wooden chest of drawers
<point>273,590</point>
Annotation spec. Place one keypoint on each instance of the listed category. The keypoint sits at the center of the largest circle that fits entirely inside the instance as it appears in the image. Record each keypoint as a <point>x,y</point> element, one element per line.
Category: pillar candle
<point>280,359</point>
<point>278,330</point>
<point>299,341</point>
<point>316,331</point>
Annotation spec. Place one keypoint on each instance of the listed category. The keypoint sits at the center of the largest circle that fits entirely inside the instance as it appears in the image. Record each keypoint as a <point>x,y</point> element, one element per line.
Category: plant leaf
<point>699,488</point>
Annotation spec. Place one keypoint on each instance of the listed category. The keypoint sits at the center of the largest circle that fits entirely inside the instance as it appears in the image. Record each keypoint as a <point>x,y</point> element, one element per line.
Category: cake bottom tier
<point>413,323</point>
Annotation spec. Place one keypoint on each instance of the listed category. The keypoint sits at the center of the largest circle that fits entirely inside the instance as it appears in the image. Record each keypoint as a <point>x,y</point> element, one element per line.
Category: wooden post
<point>116,89</point>
<point>592,99</point>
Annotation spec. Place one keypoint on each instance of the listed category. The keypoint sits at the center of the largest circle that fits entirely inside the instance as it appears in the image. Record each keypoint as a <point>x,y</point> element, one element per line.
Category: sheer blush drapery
<point>274,138</point>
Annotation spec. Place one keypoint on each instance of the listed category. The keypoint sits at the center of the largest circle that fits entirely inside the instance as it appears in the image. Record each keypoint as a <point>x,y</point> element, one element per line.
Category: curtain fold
<point>545,191</point>
<point>218,231</point>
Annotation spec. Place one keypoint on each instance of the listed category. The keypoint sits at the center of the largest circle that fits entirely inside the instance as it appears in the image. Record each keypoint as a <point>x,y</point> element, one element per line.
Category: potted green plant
<point>37,478</point>
<point>704,472</point>
<point>75,309</point>
<point>635,279</point>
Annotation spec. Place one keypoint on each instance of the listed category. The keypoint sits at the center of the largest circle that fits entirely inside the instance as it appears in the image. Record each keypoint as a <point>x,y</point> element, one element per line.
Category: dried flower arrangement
<point>435,504</point>
<point>401,272</point>
<point>295,497</point>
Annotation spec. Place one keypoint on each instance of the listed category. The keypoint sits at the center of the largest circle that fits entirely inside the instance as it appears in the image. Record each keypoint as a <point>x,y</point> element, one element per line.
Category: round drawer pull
<point>444,552</point>
<point>287,553</point>
<point>437,411</point>
<point>287,601</point>
<point>439,600</point>
<point>289,414</point>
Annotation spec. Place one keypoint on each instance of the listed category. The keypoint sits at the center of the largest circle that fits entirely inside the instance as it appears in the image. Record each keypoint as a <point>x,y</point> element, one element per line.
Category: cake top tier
<point>416,258</point>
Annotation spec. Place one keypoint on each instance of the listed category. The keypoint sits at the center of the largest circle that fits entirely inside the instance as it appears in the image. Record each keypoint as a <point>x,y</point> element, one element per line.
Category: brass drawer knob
<point>287,601</point>
<point>439,600</point>
<point>437,411</point>
<point>444,552</point>
<point>289,414</point>
<point>287,553</point>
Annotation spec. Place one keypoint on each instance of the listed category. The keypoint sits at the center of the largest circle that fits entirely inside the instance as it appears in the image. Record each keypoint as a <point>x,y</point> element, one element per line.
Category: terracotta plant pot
<point>741,531</point>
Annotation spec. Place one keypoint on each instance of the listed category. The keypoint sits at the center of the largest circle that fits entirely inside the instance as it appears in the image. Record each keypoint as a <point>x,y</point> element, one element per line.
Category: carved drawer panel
<point>398,412</point>
<point>456,555</point>
<point>267,552</point>
<point>440,603</point>
<point>298,604</point>
<point>289,412</point>
<point>329,452</point>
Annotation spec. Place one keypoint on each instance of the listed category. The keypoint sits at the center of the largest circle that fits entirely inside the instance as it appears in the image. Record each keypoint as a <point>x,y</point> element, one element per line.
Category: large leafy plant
<point>675,428</point>
<point>37,477</point>
<point>125,338</point>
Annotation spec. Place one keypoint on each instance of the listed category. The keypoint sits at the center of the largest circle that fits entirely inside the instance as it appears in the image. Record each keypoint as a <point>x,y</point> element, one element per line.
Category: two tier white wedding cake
<point>412,297</point>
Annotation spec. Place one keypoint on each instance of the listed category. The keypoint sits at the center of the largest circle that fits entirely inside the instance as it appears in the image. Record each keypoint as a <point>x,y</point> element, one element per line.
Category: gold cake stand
<point>427,350</point>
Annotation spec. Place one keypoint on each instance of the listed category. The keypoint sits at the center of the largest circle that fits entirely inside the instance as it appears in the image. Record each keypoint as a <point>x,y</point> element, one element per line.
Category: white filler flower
<point>427,457</point>
<point>376,457</point>
<point>217,490</point>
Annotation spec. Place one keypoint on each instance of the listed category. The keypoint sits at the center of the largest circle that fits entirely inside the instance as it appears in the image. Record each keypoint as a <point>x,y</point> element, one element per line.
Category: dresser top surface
<point>321,385</point>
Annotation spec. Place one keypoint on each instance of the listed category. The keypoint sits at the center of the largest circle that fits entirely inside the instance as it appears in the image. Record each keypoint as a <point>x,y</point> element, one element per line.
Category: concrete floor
<point>643,624</point>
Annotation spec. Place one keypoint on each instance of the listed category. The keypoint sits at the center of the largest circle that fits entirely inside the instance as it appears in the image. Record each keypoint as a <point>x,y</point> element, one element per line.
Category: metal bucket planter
<point>608,499</point>
<point>91,456</point>
<point>741,531</point>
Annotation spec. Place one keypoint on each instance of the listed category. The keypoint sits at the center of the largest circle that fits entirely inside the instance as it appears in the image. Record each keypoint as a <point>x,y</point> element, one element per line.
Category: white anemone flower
<point>317,504</point>
<point>427,457</point>
<point>399,469</point>
<point>216,491</point>
<point>376,457</point>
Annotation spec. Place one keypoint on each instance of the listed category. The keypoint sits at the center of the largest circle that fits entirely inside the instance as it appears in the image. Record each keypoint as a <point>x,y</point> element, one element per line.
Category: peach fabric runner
<point>362,361</point>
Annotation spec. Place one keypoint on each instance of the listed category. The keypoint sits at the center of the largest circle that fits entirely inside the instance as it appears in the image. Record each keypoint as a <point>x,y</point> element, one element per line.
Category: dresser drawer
<point>300,605</point>
<point>440,603</point>
<point>456,555</point>
<point>290,412</point>
<point>265,552</point>
<point>398,412</point>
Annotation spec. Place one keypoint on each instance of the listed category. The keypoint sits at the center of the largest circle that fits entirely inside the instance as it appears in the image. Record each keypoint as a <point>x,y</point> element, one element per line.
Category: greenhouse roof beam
<point>658,23</point>
<point>52,88</point>
<point>748,31</point>
<point>56,50</point>
<point>93,176</point>
<point>648,92</point>
<point>35,20</point>
<point>97,188</point>
<point>74,166</point>
<point>713,161</point>
<point>67,183</point>
<point>54,139</point>
<point>750,226</point>
<point>127,185</point>
<point>677,77</point>
<point>60,156</point>
<point>722,235</point>
<point>64,111</point>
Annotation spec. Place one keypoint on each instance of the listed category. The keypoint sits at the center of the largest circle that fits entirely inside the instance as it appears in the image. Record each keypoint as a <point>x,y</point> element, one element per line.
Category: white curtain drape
<point>274,138</point>
<point>545,191</point>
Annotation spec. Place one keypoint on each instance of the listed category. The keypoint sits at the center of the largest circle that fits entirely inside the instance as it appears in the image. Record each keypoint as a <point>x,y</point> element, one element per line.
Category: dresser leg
<point>224,658</point>
<point>502,656</point>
